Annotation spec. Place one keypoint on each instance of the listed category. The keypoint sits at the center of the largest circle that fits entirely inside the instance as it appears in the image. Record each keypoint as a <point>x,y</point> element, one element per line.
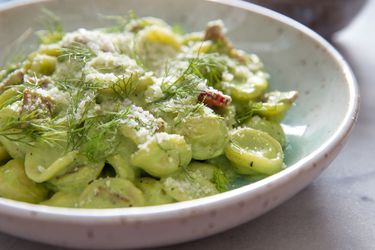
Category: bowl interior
<point>294,60</point>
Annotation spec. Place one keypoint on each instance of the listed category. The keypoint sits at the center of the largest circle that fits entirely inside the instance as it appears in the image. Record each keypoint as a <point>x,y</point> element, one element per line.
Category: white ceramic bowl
<point>296,57</point>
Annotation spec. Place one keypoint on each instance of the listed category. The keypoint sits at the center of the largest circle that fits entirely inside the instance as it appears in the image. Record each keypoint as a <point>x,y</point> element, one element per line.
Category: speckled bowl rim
<point>176,210</point>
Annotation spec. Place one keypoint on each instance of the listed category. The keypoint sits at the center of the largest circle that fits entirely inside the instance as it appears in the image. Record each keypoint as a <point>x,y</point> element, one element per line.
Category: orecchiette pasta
<point>136,114</point>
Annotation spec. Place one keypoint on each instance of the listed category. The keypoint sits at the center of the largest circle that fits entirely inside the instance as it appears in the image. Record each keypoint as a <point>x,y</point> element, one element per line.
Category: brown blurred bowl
<point>324,16</point>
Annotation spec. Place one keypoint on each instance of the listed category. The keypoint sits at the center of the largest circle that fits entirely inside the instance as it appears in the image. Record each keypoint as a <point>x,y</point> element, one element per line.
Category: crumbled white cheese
<point>202,86</point>
<point>42,92</point>
<point>242,72</point>
<point>142,115</point>
<point>113,60</point>
<point>16,106</point>
<point>82,106</point>
<point>95,40</point>
<point>154,91</point>
<point>228,77</point>
<point>139,125</point>
<point>123,43</point>
<point>54,93</point>
<point>121,65</point>
<point>127,102</point>
<point>162,136</point>
<point>107,77</point>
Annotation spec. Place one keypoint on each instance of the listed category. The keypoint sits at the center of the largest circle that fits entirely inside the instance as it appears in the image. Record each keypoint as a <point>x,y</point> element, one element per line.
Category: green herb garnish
<point>76,52</point>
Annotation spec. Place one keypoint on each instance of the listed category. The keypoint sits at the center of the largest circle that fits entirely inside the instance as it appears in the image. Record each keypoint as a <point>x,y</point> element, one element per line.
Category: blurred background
<point>324,16</point>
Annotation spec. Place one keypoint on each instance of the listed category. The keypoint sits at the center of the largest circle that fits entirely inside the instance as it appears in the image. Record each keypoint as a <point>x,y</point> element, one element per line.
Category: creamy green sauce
<point>136,114</point>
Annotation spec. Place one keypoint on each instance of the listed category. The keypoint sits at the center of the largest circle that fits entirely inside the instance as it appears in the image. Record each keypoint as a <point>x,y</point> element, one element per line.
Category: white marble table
<point>337,211</point>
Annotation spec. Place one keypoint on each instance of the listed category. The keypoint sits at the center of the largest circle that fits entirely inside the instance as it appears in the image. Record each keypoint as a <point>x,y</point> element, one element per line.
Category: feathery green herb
<point>102,134</point>
<point>210,67</point>
<point>244,116</point>
<point>185,85</point>
<point>125,87</point>
<point>186,111</point>
<point>29,127</point>
<point>76,52</point>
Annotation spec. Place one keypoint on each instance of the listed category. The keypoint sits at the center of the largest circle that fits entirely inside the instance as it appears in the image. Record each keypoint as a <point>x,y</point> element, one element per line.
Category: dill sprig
<point>81,100</point>
<point>53,30</point>
<point>13,99</point>
<point>79,124</point>
<point>76,52</point>
<point>180,96</point>
<point>125,86</point>
<point>244,116</point>
<point>185,85</point>
<point>102,134</point>
<point>186,111</point>
<point>77,86</point>
<point>92,133</point>
<point>135,56</point>
<point>31,118</point>
<point>210,67</point>
<point>29,127</point>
